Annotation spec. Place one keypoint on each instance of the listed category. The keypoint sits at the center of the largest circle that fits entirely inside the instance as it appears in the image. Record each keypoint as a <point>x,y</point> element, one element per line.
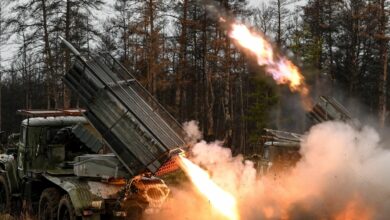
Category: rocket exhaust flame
<point>221,200</point>
<point>282,70</point>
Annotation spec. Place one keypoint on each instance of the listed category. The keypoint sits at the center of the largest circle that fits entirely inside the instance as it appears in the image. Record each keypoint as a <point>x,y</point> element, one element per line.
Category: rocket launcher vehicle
<point>137,129</point>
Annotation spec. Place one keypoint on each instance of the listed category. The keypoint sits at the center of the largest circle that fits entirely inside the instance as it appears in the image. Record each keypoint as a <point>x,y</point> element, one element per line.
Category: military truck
<point>98,163</point>
<point>57,173</point>
<point>280,149</point>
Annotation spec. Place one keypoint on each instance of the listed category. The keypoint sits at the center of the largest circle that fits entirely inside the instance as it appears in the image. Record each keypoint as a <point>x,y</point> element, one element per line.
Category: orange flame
<point>355,209</point>
<point>223,201</point>
<point>282,70</point>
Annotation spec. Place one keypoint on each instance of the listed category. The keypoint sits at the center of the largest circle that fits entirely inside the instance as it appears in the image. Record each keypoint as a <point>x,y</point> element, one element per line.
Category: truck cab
<point>46,143</point>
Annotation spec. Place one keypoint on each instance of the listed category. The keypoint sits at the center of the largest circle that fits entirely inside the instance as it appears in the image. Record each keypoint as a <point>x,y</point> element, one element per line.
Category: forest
<point>179,52</point>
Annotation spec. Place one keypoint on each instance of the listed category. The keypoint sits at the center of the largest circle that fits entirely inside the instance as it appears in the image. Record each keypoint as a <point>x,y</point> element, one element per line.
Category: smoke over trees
<point>180,53</point>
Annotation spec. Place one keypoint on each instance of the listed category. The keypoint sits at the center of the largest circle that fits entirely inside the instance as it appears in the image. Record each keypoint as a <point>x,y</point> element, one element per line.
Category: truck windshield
<point>64,136</point>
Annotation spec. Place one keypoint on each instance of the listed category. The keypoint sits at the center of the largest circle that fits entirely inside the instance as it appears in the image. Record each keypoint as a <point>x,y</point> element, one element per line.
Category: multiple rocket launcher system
<point>138,130</point>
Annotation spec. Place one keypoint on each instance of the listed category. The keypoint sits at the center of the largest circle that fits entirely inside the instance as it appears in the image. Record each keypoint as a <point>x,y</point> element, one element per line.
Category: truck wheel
<point>48,204</point>
<point>66,209</point>
<point>5,197</point>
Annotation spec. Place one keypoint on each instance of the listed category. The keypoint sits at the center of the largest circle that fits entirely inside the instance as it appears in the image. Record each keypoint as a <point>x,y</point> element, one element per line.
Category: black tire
<point>65,209</point>
<point>5,196</point>
<point>48,204</point>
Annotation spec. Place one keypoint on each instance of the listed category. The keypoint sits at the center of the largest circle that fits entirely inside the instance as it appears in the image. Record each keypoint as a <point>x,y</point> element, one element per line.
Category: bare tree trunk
<point>278,108</point>
<point>209,101</point>
<point>383,77</point>
<point>279,32</point>
<point>1,71</point>
<point>330,41</point>
<point>209,93</point>
<point>354,50</point>
<point>152,50</point>
<point>182,62</point>
<point>48,58</point>
<point>242,115</point>
<point>383,93</point>
<point>25,70</point>
<point>125,41</point>
<point>227,95</point>
<point>67,53</point>
<point>1,86</point>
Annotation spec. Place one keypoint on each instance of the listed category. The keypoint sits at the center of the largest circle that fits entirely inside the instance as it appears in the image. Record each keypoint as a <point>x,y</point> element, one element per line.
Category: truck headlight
<point>119,213</point>
<point>97,204</point>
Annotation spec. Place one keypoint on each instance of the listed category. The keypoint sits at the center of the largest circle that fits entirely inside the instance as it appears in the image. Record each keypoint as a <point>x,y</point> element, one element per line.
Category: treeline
<point>182,55</point>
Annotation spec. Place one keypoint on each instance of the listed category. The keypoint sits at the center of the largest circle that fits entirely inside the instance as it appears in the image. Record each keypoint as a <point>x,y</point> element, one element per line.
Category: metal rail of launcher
<point>326,109</point>
<point>141,133</point>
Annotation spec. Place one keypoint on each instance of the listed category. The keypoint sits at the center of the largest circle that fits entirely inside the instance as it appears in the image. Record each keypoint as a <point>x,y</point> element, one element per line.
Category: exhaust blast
<point>343,174</point>
<point>223,201</point>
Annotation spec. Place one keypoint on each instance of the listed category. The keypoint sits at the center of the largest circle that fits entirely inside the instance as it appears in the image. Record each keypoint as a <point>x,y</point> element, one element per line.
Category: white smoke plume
<point>343,174</point>
<point>231,173</point>
<point>193,133</point>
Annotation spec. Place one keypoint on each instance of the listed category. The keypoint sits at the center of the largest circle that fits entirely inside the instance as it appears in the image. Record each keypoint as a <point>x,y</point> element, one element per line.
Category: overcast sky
<point>257,2</point>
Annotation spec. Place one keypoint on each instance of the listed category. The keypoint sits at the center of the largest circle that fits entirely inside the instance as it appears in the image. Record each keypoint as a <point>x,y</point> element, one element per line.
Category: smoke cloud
<point>193,133</point>
<point>343,174</point>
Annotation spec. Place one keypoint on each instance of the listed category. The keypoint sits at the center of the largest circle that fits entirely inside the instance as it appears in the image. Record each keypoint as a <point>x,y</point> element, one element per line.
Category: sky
<point>257,2</point>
